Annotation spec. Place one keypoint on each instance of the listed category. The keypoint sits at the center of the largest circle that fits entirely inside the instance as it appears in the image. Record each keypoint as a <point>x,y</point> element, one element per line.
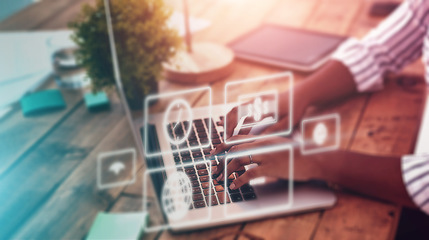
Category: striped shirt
<point>399,40</point>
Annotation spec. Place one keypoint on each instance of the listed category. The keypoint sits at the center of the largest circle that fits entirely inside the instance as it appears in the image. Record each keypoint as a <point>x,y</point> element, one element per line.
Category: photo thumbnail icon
<point>320,134</point>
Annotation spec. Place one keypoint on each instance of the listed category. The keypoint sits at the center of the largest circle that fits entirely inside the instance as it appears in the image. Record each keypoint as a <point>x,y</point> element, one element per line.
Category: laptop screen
<point>132,100</point>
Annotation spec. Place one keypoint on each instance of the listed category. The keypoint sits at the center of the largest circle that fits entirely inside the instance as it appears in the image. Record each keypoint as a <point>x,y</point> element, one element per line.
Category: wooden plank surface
<point>16,128</point>
<point>291,13</point>
<point>229,20</point>
<point>42,15</point>
<point>31,182</point>
<point>78,197</point>
<point>357,218</point>
<point>336,20</point>
<point>392,130</point>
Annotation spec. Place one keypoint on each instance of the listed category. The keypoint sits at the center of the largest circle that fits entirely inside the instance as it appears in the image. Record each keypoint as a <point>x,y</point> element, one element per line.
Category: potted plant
<point>143,43</point>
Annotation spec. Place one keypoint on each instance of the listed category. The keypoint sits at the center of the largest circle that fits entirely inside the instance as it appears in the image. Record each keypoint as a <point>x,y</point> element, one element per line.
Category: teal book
<point>42,102</point>
<point>118,226</point>
<point>97,101</point>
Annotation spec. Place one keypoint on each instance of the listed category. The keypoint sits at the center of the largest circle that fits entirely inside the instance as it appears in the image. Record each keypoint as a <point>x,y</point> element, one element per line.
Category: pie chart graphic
<point>176,196</point>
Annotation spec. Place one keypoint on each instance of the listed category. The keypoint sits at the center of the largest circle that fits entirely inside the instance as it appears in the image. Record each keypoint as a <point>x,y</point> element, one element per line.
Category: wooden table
<point>47,171</point>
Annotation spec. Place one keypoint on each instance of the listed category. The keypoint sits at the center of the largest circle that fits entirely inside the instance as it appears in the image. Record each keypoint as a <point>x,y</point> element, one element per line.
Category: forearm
<point>333,81</point>
<point>377,176</point>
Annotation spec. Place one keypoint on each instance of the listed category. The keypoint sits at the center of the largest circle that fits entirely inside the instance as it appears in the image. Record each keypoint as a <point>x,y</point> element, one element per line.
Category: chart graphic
<point>257,107</point>
<point>258,110</point>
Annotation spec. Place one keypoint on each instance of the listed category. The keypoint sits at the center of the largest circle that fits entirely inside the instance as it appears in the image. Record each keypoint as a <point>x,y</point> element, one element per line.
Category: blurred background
<point>59,111</point>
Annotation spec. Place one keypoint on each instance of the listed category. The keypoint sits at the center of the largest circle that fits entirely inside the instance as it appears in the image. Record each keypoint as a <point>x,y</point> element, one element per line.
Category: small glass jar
<point>67,72</point>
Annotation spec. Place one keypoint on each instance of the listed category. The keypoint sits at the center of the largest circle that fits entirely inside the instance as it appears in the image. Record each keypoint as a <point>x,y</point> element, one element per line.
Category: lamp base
<point>207,62</point>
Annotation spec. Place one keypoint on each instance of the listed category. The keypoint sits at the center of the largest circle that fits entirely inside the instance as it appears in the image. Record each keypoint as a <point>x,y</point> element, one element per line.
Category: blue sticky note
<point>96,101</point>
<point>42,102</point>
<point>118,226</point>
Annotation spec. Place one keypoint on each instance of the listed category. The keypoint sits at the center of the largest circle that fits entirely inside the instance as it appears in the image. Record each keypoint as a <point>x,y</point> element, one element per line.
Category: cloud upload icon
<point>116,167</point>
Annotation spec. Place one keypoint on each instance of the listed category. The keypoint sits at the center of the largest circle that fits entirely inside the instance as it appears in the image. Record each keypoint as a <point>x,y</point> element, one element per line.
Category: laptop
<point>183,166</point>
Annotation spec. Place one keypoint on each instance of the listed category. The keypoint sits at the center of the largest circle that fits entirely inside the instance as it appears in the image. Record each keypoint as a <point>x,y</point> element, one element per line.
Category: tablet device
<point>287,47</point>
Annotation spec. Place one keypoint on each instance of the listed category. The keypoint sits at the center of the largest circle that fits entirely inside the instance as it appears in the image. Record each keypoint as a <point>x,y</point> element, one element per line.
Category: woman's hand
<point>223,148</point>
<point>271,164</point>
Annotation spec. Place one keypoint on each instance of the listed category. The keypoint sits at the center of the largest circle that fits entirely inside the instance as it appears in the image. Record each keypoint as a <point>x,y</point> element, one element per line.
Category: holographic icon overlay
<point>288,198</point>
<point>116,168</point>
<point>260,109</point>
<point>183,111</point>
<point>320,134</point>
<point>185,199</point>
<point>257,107</point>
<point>176,115</point>
<point>176,195</point>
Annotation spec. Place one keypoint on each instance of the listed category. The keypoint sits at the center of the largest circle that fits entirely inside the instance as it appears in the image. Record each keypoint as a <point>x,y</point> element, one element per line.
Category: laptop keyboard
<point>199,172</point>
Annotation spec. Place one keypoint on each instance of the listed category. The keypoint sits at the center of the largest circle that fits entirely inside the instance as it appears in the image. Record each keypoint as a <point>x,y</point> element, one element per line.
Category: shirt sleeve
<point>396,42</point>
<point>415,174</point>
